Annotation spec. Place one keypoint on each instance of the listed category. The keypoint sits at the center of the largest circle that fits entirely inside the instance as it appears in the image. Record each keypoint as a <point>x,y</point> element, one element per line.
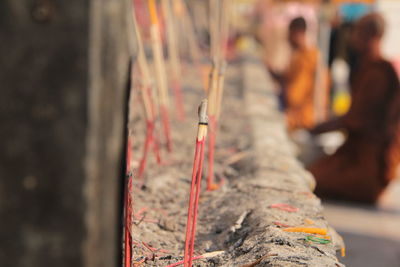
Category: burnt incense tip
<point>202,111</point>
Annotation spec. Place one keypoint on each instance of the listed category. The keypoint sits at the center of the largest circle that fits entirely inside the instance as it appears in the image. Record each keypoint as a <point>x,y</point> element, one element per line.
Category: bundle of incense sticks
<point>160,70</point>
<point>195,185</point>
<point>146,85</point>
<point>173,57</point>
<point>219,21</point>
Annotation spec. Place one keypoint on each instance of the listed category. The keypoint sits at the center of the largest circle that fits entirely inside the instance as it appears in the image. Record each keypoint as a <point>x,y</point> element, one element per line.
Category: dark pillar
<point>63,77</point>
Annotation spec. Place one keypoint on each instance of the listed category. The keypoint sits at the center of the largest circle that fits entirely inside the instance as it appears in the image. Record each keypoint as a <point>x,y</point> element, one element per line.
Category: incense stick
<point>220,90</point>
<point>128,211</point>
<point>173,57</point>
<point>219,35</point>
<point>195,185</point>
<point>161,78</point>
<point>181,11</point>
<point>147,99</point>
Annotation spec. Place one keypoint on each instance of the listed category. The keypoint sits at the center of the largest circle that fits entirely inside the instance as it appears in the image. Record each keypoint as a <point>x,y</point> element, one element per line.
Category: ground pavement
<point>371,234</point>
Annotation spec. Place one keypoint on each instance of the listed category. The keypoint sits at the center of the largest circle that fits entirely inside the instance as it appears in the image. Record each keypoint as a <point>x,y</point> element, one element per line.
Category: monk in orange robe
<point>298,81</point>
<point>363,166</point>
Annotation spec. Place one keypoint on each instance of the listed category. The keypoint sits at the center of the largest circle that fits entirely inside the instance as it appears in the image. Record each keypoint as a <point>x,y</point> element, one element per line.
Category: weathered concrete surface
<point>236,219</point>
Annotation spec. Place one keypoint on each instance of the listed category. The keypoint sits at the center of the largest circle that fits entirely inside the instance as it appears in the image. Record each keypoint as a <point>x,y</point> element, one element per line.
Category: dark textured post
<point>109,73</point>
<point>64,71</point>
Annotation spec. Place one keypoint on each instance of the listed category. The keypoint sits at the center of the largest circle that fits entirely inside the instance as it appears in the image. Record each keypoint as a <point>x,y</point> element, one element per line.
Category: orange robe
<point>299,88</point>
<point>363,166</point>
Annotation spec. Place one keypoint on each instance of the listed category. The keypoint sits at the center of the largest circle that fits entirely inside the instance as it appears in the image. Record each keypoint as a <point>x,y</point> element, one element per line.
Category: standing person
<point>363,166</point>
<point>298,81</point>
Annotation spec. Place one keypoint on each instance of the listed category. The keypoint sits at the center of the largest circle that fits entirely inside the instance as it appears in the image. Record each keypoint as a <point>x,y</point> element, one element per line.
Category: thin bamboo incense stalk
<point>220,90</point>
<point>148,142</point>
<point>217,79</point>
<point>212,91</point>
<point>160,72</point>
<point>195,185</point>
<point>146,85</point>
<point>226,10</point>
<point>142,61</point>
<point>219,38</point>
<point>214,24</point>
<point>211,21</point>
<point>214,126</point>
<point>182,13</point>
<point>212,96</point>
<point>173,57</point>
<point>225,16</point>
<point>211,148</point>
<point>147,82</point>
<point>215,29</point>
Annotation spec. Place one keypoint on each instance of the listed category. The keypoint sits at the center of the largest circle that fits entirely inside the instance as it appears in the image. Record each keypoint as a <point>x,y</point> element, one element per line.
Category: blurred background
<point>66,74</point>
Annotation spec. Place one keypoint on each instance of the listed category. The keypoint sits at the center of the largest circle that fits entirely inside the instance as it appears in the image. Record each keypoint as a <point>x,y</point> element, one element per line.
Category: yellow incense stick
<point>158,56</point>
<point>343,251</point>
<point>320,231</point>
<point>153,12</point>
<point>161,76</point>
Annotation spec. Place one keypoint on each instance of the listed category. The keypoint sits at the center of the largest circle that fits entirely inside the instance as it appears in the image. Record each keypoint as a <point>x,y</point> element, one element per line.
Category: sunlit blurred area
<point>330,95</point>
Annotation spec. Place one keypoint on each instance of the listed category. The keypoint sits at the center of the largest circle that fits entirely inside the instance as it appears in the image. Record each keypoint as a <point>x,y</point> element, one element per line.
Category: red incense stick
<point>128,222</point>
<point>195,185</point>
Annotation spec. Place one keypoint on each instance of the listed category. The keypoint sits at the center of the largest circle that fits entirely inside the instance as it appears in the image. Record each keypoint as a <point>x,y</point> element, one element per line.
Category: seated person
<point>298,81</point>
<point>363,166</point>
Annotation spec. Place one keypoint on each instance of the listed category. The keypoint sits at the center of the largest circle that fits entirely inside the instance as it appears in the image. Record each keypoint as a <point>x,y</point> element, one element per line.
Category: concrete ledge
<point>237,220</point>
<point>278,178</point>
